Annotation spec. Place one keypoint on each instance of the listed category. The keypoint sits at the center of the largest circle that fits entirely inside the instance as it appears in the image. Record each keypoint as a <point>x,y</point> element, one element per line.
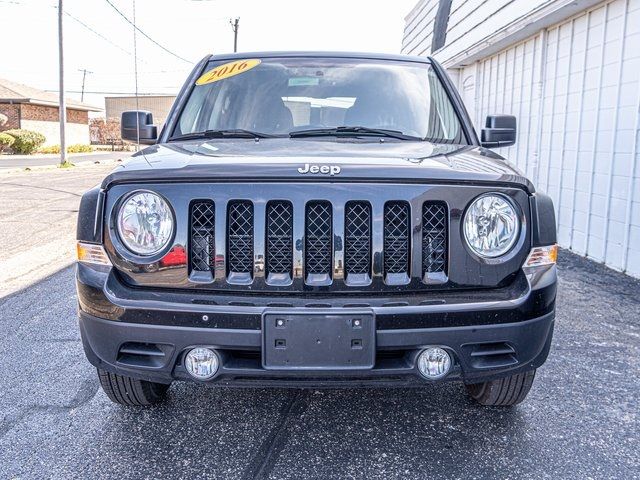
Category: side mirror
<point>135,121</point>
<point>499,131</point>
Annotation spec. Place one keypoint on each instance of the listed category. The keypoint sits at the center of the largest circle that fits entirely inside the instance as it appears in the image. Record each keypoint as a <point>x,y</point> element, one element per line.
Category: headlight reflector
<point>145,223</point>
<point>491,225</point>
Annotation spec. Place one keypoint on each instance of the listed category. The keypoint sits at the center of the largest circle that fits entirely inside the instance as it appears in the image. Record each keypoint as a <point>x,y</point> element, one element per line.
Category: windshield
<point>278,96</point>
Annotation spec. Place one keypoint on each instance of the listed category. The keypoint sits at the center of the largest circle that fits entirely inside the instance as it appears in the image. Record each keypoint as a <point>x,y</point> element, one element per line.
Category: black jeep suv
<point>315,219</point>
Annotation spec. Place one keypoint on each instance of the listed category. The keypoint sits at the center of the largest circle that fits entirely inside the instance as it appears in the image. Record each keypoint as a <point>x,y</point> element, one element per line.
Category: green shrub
<point>6,141</point>
<point>27,141</point>
<point>78,148</point>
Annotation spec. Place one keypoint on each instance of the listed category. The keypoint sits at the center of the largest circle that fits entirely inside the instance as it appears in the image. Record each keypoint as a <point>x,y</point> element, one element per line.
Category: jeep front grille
<point>290,244</point>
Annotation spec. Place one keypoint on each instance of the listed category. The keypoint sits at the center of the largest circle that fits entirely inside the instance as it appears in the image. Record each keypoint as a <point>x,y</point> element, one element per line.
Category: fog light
<point>434,363</point>
<point>201,363</point>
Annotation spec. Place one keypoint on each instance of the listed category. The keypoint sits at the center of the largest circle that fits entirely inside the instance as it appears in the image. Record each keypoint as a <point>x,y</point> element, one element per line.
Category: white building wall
<point>75,133</point>
<point>418,30</point>
<point>575,88</point>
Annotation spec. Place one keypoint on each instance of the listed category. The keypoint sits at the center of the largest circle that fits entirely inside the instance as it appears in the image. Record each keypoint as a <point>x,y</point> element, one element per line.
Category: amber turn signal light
<point>540,256</point>
<point>92,253</point>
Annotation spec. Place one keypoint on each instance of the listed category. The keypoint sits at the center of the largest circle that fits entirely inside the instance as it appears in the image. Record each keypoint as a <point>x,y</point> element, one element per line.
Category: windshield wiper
<point>352,131</point>
<point>230,133</point>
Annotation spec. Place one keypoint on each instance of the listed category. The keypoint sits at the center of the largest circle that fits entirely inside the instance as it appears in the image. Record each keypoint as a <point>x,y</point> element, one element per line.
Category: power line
<point>92,30</point>
<point>145,35</point>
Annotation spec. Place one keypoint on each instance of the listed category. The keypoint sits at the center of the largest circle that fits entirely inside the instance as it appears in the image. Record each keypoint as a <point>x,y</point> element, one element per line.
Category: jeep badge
<point>323,169</point>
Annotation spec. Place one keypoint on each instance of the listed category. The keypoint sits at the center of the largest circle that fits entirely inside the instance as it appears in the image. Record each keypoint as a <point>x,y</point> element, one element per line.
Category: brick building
<point>33,109</point>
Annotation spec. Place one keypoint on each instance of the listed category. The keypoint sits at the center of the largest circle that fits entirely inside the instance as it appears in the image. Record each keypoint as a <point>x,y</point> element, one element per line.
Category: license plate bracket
<point>318,341</point>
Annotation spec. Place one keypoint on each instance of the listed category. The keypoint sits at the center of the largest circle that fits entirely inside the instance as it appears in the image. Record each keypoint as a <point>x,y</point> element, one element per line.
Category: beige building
<point>158,105</point>
<point>32,109</point>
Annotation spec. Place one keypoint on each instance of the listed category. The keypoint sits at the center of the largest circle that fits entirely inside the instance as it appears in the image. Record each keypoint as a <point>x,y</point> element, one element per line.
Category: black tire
<point>503,392</point>
<point>129,391</point>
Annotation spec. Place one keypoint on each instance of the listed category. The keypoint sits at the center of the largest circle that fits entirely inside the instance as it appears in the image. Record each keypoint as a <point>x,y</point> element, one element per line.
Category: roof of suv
<point>363,55</point>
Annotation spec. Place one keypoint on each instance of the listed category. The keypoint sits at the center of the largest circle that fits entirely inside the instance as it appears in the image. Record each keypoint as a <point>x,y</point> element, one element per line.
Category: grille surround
<point>135,271</point>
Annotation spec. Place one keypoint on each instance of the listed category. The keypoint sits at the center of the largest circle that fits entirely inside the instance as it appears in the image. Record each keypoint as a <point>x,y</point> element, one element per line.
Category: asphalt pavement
<point>38,221</point>
<point>579,421</point>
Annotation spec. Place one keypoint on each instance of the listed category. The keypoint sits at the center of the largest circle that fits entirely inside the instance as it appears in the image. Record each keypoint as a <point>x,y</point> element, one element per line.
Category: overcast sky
<point>99,39</point>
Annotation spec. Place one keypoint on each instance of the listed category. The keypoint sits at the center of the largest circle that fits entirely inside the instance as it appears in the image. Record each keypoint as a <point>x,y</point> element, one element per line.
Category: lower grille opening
<point>139,354</point>
<point>253,358</point>
<point>390,354</point>
<point>491,355</point>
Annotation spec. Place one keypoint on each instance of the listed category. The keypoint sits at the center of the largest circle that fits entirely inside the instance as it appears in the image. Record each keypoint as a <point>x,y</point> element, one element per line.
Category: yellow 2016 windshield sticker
<point>227,70</point>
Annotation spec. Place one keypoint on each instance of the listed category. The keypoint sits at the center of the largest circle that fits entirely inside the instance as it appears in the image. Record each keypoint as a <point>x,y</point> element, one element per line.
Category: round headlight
<point>145,223</point>
<point>491,226</point>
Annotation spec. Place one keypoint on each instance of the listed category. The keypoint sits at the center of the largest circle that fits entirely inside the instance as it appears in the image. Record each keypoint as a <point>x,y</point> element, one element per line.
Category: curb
<point>39,168</point>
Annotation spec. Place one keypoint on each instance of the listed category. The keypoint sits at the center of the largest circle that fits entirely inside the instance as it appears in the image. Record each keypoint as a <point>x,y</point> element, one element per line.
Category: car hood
<point>279,159</point>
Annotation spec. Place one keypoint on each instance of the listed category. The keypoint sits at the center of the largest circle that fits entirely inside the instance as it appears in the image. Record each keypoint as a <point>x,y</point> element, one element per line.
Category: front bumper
<point>145,334</point>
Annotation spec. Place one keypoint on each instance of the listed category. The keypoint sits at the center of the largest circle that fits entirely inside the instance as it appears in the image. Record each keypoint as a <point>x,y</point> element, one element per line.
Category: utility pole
<point>84,76</point>
<point>135,75</point>
<point>63,104</point>
<point>234,26</point>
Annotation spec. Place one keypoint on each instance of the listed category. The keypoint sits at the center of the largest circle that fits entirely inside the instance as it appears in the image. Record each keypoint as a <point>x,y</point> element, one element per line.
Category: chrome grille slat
<point>357,238</point>
<point>434,237</point>
<point>279,250</point>
<point>396,237</point>
<point>318,244</point>
<point>202,236</point>
<point>240,237</point>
